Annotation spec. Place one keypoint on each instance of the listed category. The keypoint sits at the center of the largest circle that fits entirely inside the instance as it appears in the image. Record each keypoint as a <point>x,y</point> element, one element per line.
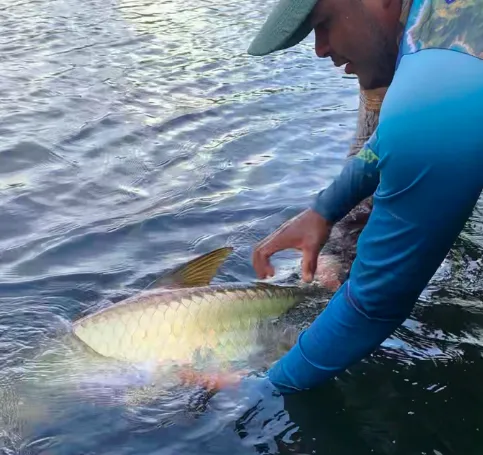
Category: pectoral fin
<point>197,272</point>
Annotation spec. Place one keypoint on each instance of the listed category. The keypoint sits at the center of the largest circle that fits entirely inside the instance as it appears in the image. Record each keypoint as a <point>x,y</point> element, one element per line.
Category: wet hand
<point>210,381</point>
<point>307,233</point>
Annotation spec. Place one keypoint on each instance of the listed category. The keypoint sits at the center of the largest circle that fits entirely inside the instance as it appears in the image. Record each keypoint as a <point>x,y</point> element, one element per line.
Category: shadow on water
<point>135,134</point>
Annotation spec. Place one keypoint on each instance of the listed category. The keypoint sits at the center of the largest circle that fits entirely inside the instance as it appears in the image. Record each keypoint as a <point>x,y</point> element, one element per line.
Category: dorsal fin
<point>197,272</point>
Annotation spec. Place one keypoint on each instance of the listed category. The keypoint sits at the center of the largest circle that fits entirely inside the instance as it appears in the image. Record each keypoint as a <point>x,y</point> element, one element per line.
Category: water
<point>138,133</point>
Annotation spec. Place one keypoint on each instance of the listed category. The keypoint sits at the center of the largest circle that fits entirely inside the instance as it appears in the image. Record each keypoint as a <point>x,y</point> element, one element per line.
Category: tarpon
<point>182,319</point>
<point>183,314</point>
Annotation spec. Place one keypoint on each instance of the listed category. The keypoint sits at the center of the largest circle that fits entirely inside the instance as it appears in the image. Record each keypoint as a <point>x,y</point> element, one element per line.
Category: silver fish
<point>182,316</point>
<point>129,352</point>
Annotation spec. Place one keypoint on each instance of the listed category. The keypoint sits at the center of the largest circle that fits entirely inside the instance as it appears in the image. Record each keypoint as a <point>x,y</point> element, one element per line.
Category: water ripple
<point>138,133</point>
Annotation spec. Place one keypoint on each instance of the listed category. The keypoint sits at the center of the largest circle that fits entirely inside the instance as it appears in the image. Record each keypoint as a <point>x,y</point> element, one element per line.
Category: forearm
<point>370,102</point>
<point>342,243</point>
<point>358,180</point>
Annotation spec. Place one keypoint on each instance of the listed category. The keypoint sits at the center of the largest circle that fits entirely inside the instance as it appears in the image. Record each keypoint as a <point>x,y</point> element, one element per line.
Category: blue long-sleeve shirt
<point>424,167</point>
<point>358,180</point>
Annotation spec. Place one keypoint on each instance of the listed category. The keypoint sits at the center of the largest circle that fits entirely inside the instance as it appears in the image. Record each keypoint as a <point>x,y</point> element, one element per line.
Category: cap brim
<point>287,25</point>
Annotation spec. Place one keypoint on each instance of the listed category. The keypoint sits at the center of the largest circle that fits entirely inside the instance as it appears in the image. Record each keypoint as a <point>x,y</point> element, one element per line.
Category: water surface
<point>138,133</point>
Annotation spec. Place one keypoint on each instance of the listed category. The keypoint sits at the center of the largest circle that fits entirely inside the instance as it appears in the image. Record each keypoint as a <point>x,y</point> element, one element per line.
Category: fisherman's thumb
<point>309,264</point>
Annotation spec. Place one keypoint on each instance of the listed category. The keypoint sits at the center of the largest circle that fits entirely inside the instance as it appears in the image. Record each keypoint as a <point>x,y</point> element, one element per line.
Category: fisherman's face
<point>360,33</point>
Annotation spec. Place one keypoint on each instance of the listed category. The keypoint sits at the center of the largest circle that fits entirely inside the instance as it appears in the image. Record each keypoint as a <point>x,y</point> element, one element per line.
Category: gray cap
<point>286,26</point>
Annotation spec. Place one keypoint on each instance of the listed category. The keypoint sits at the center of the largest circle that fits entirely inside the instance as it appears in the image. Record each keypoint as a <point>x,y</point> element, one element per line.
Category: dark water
<point>137,133</point>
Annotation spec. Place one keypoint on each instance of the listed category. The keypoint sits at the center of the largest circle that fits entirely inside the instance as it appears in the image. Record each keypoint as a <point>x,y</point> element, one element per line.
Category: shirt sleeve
<point>358,180</point>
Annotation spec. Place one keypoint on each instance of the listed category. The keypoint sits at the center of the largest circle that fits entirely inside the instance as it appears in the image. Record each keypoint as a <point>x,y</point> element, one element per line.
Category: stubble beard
<point>381,69</point>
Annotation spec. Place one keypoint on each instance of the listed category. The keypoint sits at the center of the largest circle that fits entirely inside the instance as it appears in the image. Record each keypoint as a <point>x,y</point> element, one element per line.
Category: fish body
<point>172,325</point>
<point>184,316</point>
<point>126,352</point>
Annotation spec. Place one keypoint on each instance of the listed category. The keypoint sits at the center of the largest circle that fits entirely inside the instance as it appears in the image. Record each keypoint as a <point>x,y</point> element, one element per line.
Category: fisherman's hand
<point>307,233</point>
<point>210,381</point>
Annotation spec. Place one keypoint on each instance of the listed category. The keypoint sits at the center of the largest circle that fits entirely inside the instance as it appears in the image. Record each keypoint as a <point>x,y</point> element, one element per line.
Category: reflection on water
<point>135,133</point>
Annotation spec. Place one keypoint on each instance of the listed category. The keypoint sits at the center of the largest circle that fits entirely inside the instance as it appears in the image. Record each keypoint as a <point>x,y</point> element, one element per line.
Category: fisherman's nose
<point>322,46</point>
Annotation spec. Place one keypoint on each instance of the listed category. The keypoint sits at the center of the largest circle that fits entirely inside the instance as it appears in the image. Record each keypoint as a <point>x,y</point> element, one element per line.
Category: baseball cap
<point>287,25</point>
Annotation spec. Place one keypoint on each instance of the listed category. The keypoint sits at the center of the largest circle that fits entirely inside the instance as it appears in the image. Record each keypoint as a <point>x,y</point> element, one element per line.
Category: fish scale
<point>183,315</point>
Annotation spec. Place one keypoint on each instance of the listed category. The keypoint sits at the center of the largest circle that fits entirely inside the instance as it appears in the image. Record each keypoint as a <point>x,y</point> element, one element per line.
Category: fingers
<point>268,247</point>
<point>261,262</point>
<point>309,264</point>
<point>292,234</point>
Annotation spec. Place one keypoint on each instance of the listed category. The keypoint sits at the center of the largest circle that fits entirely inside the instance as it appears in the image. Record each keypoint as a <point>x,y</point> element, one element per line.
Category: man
<point>422,165</point>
